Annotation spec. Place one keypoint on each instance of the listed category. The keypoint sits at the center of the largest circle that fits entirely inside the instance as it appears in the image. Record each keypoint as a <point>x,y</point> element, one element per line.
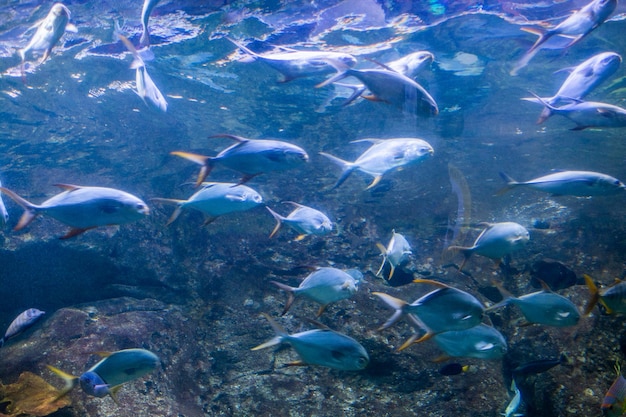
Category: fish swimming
<point>325,285</point>
<point>322,347</point>
<point>22,322</point>
<point>49,31</point>
<point>296,64</point>
<point>452,369</point>
<point>304,220</point>
<point>614,402</point>
<point>576,183</point>
<point>537,366</point>
<point>480,342</point>
<point>612,298</point>
<point>383,156</point>
<point>496,241</point>
<point>542,307</point>
<point>83,208</point>
<point>108,375</point>
<point>444,309</point>
<point>4,214</point>
<point>146,10</point>
<point>516,401</point>
<point>396,253</point>
<point>251,157</point>
<point>581,81</point>
<point>215,199</point>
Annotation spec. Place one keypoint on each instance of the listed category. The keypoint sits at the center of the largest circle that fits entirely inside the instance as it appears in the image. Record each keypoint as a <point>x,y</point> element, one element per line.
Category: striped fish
<point>612,298</point>
<point>20,323</point>
<point>613,404</point>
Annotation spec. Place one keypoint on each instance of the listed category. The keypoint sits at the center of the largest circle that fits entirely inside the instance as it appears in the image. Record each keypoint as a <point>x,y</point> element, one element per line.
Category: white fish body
<point>383,156</point>
<point>146,10</point>
<point>304,220</point>
<point>49,31</point>
<point>4,214</point>
<point>396,252</point>
<point>590,114</point>
<point>23,321</point>
<point>576,183</point>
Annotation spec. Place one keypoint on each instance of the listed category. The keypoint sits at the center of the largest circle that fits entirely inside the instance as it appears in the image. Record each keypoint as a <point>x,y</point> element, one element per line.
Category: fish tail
<point>545,115</point>
<point>595,294</point>
<point>543,36</point>
<point>395,303</point>
<point>30,209</point>
<point>279,221</point>
<point>177,211</point>
<point>276,340</point>
<point>70,381</point>
<point>339,76</point>
<point>205,161</point>
<point>290,291</point>
<point>510,183</point>
<point>242,47</point>
<point>506,296</point>
<point>346,167</point>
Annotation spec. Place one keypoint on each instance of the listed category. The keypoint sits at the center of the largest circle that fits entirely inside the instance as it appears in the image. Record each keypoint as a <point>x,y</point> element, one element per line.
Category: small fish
<point>452,369</point>
<point>496,241</point>
<point>325,285</point>
<point>322,347</point>
<point>215,199</point>
<point>537,366</point>
<point>582,80</point>
<point>108,375</point>
<point>516,401</point>
<point>22,322</point>
<point>480,342</point>
<point>251,157</point>
<point>4,214</point>
<point>577,25</point>
<point>612,298</point>
<point>304,220</point>
<point>542,307</point>
<point>83,208</point>
<point>576,183</point>
<point>49,31</point>
<point>396,253</point>
<point>296,64</point>
<point>383,156</point>
<point>614,402</point>
<point>444,309</point>
<point>146,10</point>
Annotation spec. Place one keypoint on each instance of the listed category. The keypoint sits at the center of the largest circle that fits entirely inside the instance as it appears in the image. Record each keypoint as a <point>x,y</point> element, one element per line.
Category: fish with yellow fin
<point>304,220</point>
<point>612,298</point>
<point>396,253</point>
<point>614,402</point>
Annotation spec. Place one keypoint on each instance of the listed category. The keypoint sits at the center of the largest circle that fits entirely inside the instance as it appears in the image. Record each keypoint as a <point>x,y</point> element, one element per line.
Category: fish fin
<point>25,220</point>
<point>290,291</point>
<point>103,353</point>
<point>113,393</point>
<point>246,178</point>
<point>372,97</point>
<point>296,363</point>
<point>431,282</point>
<point>346,167</point>
<point>383,250</point>
<point>395,303</point>
<point>279,221</point>
<point>321,310</point>
<point>70,27</point>
<point>595,294</point>
<point>391,271</point>
<point>544,285</point>
<point>236,138</point>
<point>243,48</point>
<point>300,237</point>
<point>424,338</point>
<point>68,187</point>
<point>339,76</point>
<point>375,182</point>
<point>442,358</point>
<point>176,212</point>
<point>75,231</point>
<point>276,340</point>
<point>579,127</point>
<point>408,343</point>
<point>30,209</point>
<point>208,220</point>
<point>71,381</point>
<point>205,161</point>
<point>510,183</point>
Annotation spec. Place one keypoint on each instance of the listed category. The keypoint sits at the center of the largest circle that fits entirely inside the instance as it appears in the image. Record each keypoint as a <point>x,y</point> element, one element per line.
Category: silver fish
<point>215,199</point>
<point>396,253</point>
<point>516,401</point>
<point>496,241</point>
<point>576,183</point>
<point>83,208</point>
<point>321,347</point>
<point>304,220</point>
<point>481,342</point>
<point>325,285</point>
<point>384,155</point>
<point>581,81</point>
<point>146,10</point>
<point>49,31</point>
<point>4,214</point>
<point>296,64</point>
<point>22,322</point>
<point>590,114</point>
<point>251,157</point>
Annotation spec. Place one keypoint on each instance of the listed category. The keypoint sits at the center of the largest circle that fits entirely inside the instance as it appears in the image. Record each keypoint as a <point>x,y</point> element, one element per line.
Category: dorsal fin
<point>233,137</point>
<point>68,187</point>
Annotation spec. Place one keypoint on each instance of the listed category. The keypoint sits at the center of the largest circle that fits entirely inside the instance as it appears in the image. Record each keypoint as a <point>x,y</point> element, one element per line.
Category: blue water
<point>76,119</point>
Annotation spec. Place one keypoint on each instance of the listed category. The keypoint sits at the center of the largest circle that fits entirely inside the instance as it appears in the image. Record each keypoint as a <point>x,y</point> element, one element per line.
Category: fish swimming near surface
<point>108,375</point>
<point>322,347</point>
<point>83,208</point>
<point>304,220</point>
<point>22,322</point>
<point>614,402</point>
<point>581,81</point>
<point>383,156</point>
<point>576,183</point>
<point>294,64</point>
<point>496,241</point>
<point>146,10</point>
<point>325,285</point>
<point>216,199</point>
<point>251,157</point>
<point>396,253</point>
<point>4,214</point>
<point>612,298</point>
<point>49,31</point>
<point>542,307</point>
<point>480,342</point>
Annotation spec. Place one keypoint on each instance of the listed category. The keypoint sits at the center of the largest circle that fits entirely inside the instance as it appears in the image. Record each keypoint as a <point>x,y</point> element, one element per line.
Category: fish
<point>4,214</point>
<point>393,88</point>
<point>537,366</point>
<point>304,220</point>
<point>496,241</point>
<point>108,375</point>
<point>542,307</point>
<point>83,208</point>
<point>588,114</point>
<point>146,10</point>
<point>516,401</point>
<point>454,368</point>
<point>215,199</point>
<point>323,347</point>
<point>480,342</point>
<point>576,183</point>
<point>578,24</point>
<point>396,253</point>
<point>22,322</point>
<point>614,402</point>
<point>612,298</point>
<point>581,81</point>
<point>146,88</point>
<point>383,156</point>
<point>49,31</point>
<point>251,157</point>
<point>444,309</point>
<point>294,64</point>
<point>325,285</point>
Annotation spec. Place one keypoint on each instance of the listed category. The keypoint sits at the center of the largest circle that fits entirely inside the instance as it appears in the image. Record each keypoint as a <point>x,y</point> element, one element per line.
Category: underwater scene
<point>312,208</point>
